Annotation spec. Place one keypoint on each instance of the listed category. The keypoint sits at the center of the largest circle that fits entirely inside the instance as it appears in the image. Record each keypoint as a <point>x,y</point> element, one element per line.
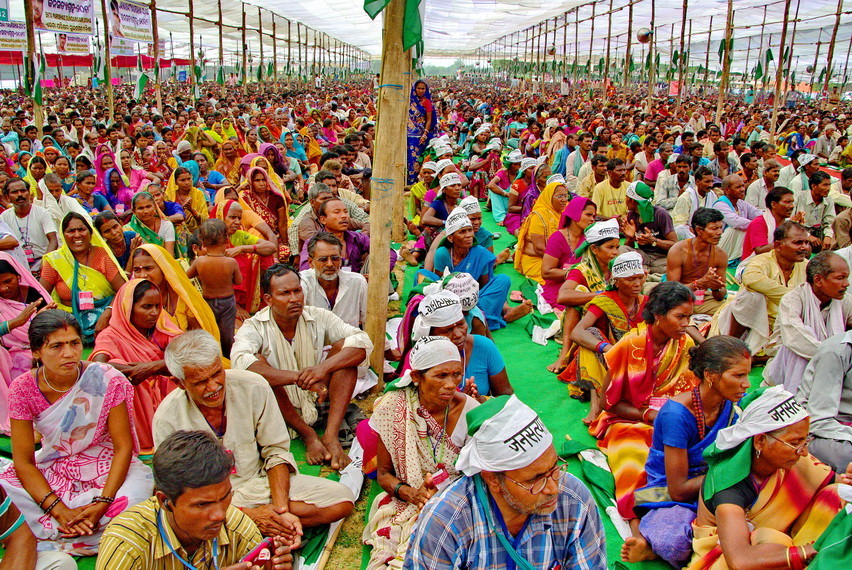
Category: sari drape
<point>251,266</point>
<point>403,426</point>
<point>543,212</point>
<point>417,112</point>
<point>123,344</point>
<point>76,455</point>
<point>229,169</point>
<point>262,209</point>
<point>637,377</point>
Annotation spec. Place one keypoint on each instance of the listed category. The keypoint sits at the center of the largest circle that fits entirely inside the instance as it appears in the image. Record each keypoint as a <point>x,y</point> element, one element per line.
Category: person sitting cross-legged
<point>239,407</point>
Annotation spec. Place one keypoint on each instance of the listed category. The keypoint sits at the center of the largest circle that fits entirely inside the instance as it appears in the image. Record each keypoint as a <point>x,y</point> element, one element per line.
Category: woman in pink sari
<point>86,471</point>
<point>134,342</point>
<point>21,296</point>
<point>103,162</point>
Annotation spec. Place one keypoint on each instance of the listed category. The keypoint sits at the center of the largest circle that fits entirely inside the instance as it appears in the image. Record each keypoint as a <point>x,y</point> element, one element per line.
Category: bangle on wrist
<point>4,328</point>
<point>41,502</point>
<point>53,504</point>
<point>645,414</point>
<point>396,489</point>
<point>101,499</point>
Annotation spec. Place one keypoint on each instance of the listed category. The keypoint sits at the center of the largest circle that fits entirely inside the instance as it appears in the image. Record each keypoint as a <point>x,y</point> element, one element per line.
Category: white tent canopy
<point>455,28</point>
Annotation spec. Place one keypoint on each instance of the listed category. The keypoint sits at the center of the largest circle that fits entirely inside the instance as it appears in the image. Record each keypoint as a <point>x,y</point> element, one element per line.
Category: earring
<point>758,453</point>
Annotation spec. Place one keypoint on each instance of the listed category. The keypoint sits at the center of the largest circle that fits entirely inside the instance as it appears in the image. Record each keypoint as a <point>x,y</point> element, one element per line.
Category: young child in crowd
<point>218,274</point>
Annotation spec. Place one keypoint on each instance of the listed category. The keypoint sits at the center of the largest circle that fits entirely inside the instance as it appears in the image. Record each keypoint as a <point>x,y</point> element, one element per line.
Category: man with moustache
<point>31,225</point>
<point>515,507</point>
<point>344,293</point>
<point>239,407</point>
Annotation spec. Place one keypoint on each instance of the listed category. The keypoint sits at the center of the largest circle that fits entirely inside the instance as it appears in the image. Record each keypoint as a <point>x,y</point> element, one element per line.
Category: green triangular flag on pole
<point>721,50</point>
<point>675,57</point>
<point>632,67</point>
<point>141,81</point>
<point>758,71</point>
<point>648,61</point>
<point>260,72</point>
<point>220,75</point>
<point>769,57</point>
<point>270,69</point>
<point>412,23</point>
<point>37,92</point>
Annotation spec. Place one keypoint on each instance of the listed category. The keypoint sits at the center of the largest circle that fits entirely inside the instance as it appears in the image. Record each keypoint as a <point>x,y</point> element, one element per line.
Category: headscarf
<point>428,352</point>
<point>729,458</point>
<point>548,215</point>
<point>21,171</point>
<point>506,434</point>
<point>122,195</point>
<point>273,176</point>
<point>246,163</point>
<point>439,309</point>
<point>574,210</point>
<point>643,194</point>
<point>598,232</point>
<point>298,151</point>
<point>228,129</point>
<point>30,179</point>
<point>99,172</point>
<point>418,102</point>
<point>462,284</point>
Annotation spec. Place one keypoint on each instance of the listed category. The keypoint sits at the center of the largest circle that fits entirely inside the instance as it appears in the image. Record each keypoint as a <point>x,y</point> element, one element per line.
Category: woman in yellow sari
<point>646,367</point>
<point>765,499</point>
<point>181,299</point>
<point>228,130</point>
<point>36,170</point>
<point>180,190</point>
<point>542,221</point>
<point>228,163</point>
<point>82,276</point>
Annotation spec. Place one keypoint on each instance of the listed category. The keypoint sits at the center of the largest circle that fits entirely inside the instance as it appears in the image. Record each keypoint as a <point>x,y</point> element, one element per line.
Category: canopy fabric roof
<point>462,27</point>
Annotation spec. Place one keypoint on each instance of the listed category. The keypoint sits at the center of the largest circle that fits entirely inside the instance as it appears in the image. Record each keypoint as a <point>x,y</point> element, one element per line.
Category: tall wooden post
<point>628,56</point>
<point>299,49</point>
<point>108,66</point>
<point>748,58</point>
<point>576,49</point>
<point>32,63</point>
<point>830,62</point>
<point>221,53</point>
<point>846,68</point>
<point>707,55</point>
<point>389,161</point>
<point>191,46</point>
<point>608,44</point>
<point>245,77</point>
<point>816,63</point>
<point>274,50</point>
<point>792,44</point>
<point>653,69</point>
<point>680,62</point>
<point>591,44</point>
<point>565,46</point>
<point>778,71</point>
<point>260,37</point>
<point>726,63</point>
<point>158,91</point>
<point>289,52</point>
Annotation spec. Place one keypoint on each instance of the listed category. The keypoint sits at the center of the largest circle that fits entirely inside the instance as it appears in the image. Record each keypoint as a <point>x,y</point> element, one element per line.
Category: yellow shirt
<point>611,201</point>
<point>133,541</point>
<point>763,275</point>
<point>586,186</point>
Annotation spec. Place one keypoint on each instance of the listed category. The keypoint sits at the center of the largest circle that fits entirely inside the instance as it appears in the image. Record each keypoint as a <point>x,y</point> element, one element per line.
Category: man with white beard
<point>344,293</point>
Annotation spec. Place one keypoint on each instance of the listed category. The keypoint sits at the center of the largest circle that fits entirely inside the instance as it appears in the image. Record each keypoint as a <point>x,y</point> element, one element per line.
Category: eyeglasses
<point>799,448</point>
<point>325,258</point>
<point>539,484</point>
<point>560,196</point>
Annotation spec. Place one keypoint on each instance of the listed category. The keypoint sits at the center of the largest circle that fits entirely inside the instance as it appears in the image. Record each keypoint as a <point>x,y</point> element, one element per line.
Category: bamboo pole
<point>653,70</point>
<point>816,62</point>
<point>389,160</point>
<point>707,55</point>
<point>576,48</point>
<point>191,45</point>
<point>565,46</point>
<point>108,66</point>
<point>846,68</point>
<point>778,71</point>
<point>31,63</point>
<point>680,61</point>
<point>608,43</point>
<point>244,78</point>
<point>289,52</point>
<point>830,63</point>
<point>591,44</point>
<point>628,55</point>
<point>221,52</point>
<point>158,91</point>
<point>260,36</point>
<point>746,72</point>
<point>274,50</point>
<point>299,48</point>
<point>792,44</point>
<point>726,63</point>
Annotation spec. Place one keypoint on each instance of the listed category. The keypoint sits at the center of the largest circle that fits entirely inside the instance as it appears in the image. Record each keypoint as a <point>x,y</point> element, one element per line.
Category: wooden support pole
<point>789,61</point>
<point>221,53</point>
<point>846,68</point>
<point>745,72</point>
<point>299,48</point>
<point>653,69</point>
<point>158,91</point>
<point>778,71</point>
<point>289,52</point>
<point>816,62</point>
<point>681,65</point>
<point>389,161</point>
<point>628,56</point>
<point>260,37</point>
<point>191,45</point>
<point>726,63</point>
<point>32,63</point>
<point>244,78</point>
<point>608,44</point>
<point>590,65</point>
<point>707,55</point>
<point>830,63</point>
<point>274,49</point>
<point>565,45</point>
<point>108,66</point>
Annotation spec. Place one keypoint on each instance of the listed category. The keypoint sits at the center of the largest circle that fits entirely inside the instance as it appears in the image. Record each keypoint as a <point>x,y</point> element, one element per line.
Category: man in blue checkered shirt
<point>515,508</point>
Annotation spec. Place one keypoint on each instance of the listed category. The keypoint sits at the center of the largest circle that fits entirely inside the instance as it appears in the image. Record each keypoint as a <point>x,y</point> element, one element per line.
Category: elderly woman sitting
<point>765,499</point>
<point>421,428</point>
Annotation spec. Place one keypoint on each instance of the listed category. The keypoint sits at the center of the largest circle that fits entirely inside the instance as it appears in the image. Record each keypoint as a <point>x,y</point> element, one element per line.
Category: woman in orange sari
<point>261,195</point>
<point>139,331</point>
<point>252,254</point>
<point>228,163</point>
<point>646,367</point>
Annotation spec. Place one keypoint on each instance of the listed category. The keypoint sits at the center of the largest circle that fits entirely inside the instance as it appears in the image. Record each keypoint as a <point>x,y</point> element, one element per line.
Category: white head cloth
<point>440,309</point>
<point>429,165</point>
<point>442,164</point>
<point>449,179</point>
<point>602,231</point>
<point>557,178</point>
<point>494,144</point>
<point>428,352</point>
<point>627,265</point>
<point>527,163</point>
<point>442,150</point>
<point>471,205</point>
<point>806,159</point>
<point>511,439</point>
<point>484,128</point>
<point>457,220</point>
<point>515,156</point>
<point>465,286</point>
<point>774,409</point>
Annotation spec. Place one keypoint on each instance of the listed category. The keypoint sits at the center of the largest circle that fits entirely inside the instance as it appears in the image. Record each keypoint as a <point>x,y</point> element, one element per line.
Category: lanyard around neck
<point>161,528</point>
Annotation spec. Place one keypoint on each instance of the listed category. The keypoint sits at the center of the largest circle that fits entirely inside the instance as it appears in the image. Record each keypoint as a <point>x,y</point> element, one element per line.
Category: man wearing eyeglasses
<point>344,293</point>
<point>516,507</point>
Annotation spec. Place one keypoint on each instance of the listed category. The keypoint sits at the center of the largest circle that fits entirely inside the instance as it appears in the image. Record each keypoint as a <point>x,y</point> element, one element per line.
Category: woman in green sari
<point>150,223</point>
<point>82,277</point>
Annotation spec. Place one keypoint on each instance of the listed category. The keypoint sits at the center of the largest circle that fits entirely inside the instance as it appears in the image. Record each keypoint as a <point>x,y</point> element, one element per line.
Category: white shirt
<point>31,231</point>
<point>351,302</point>
<point>786,176</point>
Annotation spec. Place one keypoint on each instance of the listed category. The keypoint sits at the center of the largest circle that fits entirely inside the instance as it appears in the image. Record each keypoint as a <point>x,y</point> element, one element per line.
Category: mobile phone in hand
<point>262,553</point>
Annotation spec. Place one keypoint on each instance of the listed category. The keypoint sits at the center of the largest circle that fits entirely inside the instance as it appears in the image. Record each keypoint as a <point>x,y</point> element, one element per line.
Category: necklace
<point>46,381</point>
<point>698,406</point>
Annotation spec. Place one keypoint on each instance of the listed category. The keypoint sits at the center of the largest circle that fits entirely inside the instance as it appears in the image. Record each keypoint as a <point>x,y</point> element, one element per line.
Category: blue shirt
<point>478,262</point>
<point>485,361</point>
<point>484,238</point>
<point>213,177</point>
<point>172,208</point>
<point>100,202</point>
<point>452,532</point>
<point>122,260</point>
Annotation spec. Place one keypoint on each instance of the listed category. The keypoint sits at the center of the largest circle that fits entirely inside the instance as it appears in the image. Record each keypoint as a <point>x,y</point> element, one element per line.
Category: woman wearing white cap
<point>585,280</point>
<point>765,499</point>
<point>419,189</point>
<point>609,316</point>
<point>523,183</point>
<point>501,183</point>
<point>484,162</point>
<point>421,428</point>
<point>432,220</point>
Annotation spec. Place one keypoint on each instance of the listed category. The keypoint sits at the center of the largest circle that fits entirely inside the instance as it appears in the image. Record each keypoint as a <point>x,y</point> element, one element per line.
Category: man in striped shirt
<point>190,522</point>
<point>515,509</point>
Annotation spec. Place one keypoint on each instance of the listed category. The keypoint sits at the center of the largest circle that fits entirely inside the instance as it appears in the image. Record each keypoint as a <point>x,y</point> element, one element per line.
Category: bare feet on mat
<point>504,256</point>
<point>636,549</point>
<point>515,313</point>
<point>315,452</point>
<point>558,366</point>
<point>339,458</point>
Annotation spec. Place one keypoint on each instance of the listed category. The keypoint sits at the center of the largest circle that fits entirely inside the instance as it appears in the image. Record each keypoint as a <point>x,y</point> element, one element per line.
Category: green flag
<point>675,57</point>
<point>141,81</point>
<point>270,69</point>
<point>793,78</point>
<point>758,71</point>
<point>721,50</point>
<point>220,75</point>
<point>37,92</point>
<point>259,72</point>
<point>412,24</point>
<point>769,57</point>
<point>632,67</point>
<point>648,61</point>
